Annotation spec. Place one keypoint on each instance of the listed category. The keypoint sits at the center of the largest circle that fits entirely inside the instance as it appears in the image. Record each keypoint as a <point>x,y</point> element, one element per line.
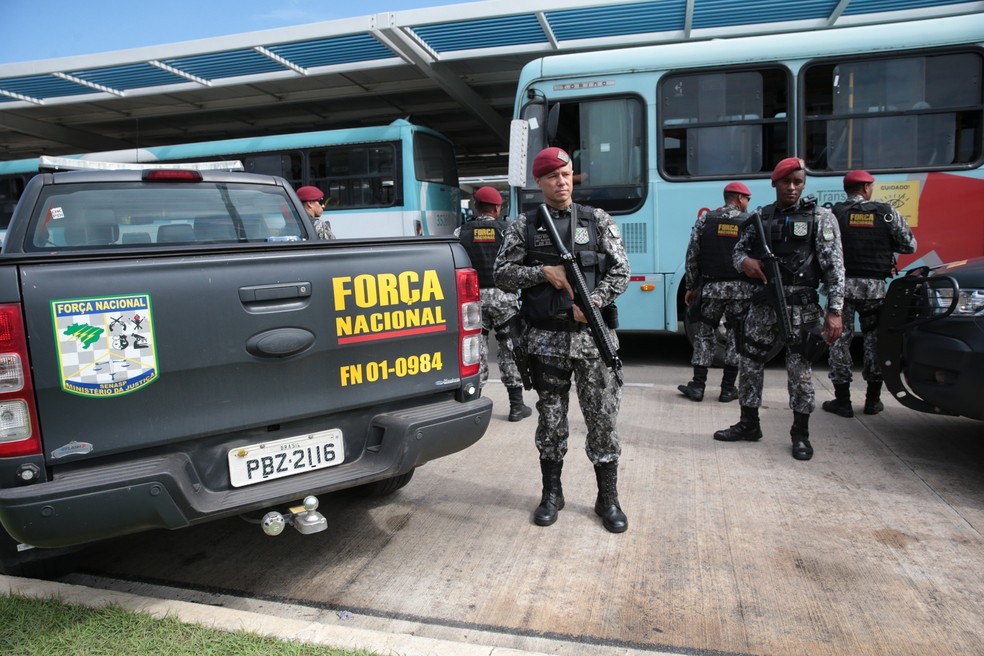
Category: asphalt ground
<point>872,547</point>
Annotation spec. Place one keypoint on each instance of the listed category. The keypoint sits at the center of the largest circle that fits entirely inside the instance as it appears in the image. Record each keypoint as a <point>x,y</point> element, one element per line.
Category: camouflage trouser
<point>497,318</point>
<point>598,395</point>
<point>840,351</point>
<point>760,327</point>
<point>705,331</point>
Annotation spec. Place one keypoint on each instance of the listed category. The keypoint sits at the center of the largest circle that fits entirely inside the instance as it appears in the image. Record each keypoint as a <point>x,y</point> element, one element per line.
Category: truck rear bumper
<point>163,491</point>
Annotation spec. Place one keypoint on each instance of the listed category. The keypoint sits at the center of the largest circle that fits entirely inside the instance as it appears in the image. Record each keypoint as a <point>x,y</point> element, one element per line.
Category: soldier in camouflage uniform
<point>717,289</point>
<point>482,237</point>
<point>806,239</point>
<point>872,234</point>
<point>558,341</point>
<point>312,197</point>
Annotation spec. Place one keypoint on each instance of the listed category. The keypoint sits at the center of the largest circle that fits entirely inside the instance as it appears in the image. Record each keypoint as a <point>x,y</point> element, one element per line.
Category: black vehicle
<point>931,339</point>
<point>177,347</point>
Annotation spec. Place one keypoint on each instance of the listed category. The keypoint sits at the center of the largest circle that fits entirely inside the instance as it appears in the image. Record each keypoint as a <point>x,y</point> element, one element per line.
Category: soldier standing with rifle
<point>561,340</point>
<point>872,234</point>
<point>802,245</point>
<point>715,289</point>
<point>482,237</point>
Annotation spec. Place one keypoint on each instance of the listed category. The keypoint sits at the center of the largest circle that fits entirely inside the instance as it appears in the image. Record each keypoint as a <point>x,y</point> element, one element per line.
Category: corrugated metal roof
<point>43,86</point>
<point>531,26</point>
<point>599,22</point>
<point>858,7</point>
<point>435,63</point>
<point>132,76</point>
<point>233,63</point>
<point>483,33</point>
<point>333,51</point>
<point>724,13</point>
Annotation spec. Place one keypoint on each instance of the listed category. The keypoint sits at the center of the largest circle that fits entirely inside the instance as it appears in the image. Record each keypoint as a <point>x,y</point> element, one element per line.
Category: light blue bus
<point>657,132</point>
<point>395,180</point>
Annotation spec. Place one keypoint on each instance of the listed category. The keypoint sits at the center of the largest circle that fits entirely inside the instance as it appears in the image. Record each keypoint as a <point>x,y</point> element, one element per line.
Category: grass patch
<point>45,627</point>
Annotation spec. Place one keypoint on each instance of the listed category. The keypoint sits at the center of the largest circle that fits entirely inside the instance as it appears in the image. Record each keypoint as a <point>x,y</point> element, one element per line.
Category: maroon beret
<point>488,195</point>
<point>787,166</point>
<point>310,193</point>
<point>858,177</point>
<point>737,188</point>
<point>549,159</point>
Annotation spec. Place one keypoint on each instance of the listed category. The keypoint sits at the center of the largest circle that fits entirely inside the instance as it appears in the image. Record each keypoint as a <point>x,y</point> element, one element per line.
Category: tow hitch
<point>305,518</point>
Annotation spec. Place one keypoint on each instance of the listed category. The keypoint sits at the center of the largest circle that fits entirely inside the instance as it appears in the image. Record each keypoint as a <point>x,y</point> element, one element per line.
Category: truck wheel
<point>385,487</point>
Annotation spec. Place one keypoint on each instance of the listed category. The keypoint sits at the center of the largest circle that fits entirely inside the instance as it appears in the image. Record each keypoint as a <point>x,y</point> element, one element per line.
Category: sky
<point>48,29</point>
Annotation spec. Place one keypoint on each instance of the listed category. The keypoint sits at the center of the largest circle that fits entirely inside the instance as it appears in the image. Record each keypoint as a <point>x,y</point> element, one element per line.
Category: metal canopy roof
<point>453,68</point>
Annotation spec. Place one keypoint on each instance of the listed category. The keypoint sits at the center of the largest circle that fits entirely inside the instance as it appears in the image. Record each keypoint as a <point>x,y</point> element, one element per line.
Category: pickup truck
<point>931,339</point>
<point>176,347</point>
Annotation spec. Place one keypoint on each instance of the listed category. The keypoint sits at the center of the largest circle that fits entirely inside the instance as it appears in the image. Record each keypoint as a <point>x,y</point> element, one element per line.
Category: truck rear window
<point>127,215</point>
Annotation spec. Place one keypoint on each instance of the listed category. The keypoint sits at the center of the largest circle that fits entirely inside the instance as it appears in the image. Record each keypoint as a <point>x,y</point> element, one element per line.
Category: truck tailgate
<point>136,353</point>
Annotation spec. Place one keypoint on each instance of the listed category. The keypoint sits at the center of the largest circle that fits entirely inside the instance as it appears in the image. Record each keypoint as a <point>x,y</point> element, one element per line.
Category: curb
<point>228,619</point>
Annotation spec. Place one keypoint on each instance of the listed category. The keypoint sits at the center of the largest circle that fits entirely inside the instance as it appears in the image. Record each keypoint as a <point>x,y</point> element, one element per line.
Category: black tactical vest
<point>792,236</point>
<point>866,238</point>
<point>581,239</point>
<point>717,243</point>
<point>482,238</point>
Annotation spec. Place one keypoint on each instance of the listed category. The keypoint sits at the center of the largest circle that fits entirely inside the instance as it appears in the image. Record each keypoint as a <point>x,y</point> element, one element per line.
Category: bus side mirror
<point>519,136</point>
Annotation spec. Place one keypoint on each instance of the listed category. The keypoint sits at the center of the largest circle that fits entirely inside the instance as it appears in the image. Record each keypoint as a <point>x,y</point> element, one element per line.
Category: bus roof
<point>204,149</point>
<point>772,47</point>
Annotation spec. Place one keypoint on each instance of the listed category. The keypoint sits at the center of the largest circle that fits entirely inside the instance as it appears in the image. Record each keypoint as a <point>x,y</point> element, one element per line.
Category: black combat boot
<point>748,428</point>
<point>872,400</point>
<point>694,390</point>
<point>553,496</point>
<point>800,432</point>
<point>841,405</point>
<point>607,506</point>
<point>728,390</point>
<point>517,409</point>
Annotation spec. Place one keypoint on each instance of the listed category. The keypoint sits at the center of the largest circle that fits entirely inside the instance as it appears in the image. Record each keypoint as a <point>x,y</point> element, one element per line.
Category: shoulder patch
<point>613,231</point>
<point>828,233</point>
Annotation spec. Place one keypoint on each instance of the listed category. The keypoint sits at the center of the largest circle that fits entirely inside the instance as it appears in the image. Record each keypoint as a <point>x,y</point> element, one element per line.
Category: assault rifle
<point>581,297</point>
<point>813,346</point>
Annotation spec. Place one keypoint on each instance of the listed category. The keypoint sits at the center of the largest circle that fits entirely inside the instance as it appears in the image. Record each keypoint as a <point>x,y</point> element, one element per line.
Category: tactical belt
<point>807,297</point>
<point>559,324</point>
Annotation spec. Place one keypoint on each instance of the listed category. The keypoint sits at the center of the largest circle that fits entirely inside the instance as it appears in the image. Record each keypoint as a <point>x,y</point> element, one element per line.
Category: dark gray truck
<point>177,347</point>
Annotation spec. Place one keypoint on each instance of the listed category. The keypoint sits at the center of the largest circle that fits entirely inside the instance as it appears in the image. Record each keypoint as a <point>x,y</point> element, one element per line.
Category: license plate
<point>268,461</point>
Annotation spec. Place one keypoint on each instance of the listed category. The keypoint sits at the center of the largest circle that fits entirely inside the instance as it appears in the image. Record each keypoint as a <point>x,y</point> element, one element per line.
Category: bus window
<point>434,160</point>
<point>279,164</point>
<point>11,188</point>
<point>894,113</point>
<point>358,176</point>
<point>701,112</point>
<point>605,139</point>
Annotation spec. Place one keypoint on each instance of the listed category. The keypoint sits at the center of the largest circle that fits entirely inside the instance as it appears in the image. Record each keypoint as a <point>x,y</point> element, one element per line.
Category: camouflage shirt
<point>323,229</point>
<point>826,246</point>
<point>512,274</point>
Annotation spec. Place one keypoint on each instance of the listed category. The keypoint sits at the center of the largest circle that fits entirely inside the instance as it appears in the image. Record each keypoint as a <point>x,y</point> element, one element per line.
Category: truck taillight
<point>18,415</point>
<point>470,332</point>
<point>172,175</point>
